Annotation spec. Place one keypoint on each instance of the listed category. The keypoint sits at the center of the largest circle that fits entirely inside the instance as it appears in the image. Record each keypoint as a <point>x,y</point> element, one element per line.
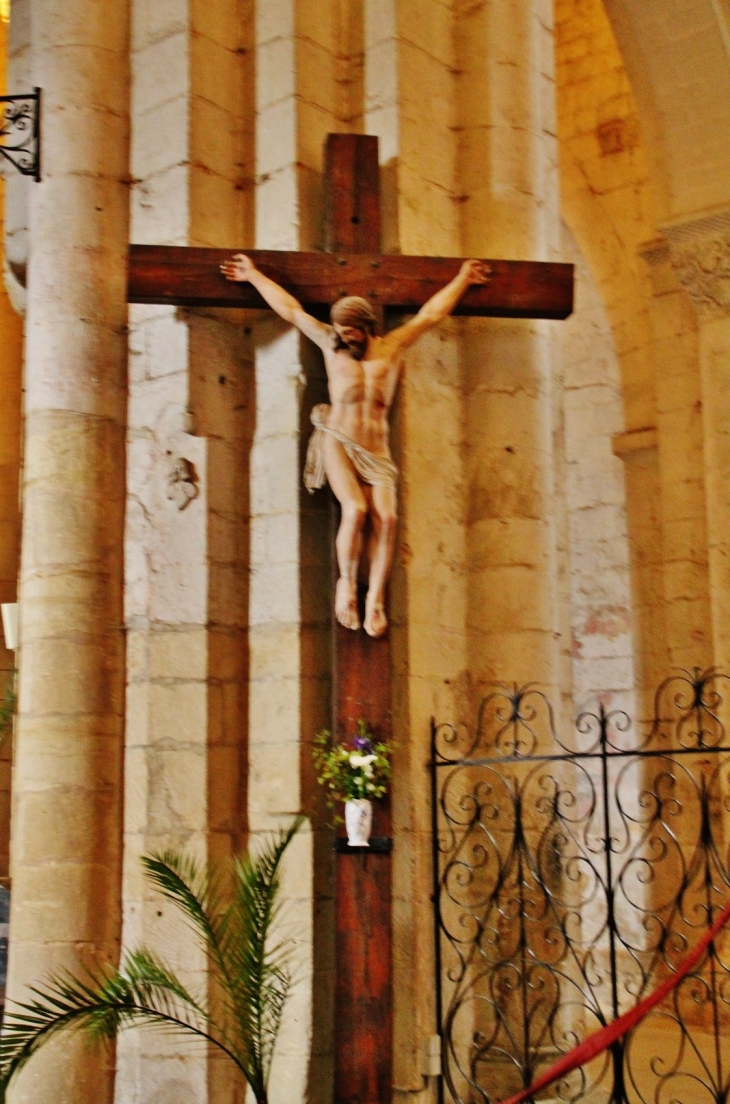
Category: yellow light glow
<point>5,10</point>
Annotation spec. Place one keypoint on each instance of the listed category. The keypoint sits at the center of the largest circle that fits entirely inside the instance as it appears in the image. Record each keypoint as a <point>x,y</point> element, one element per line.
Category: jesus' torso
<point>362,393</point>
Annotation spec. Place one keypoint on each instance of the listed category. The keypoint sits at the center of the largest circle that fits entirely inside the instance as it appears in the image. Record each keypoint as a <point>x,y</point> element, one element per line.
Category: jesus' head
<point>353,320</point>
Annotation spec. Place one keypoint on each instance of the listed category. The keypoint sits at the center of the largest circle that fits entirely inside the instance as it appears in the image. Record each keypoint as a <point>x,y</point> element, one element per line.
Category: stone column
<point>601,603</point>
<point>700,255</point>
<point>187,498</point>
<point>409,48</point>
<point>679,440</point>
<point>307,80</point>
<point>11,385</point>
<point>17,188</point>
<point>638,449</point>
<point>510,208</point>
<point>65,862</point>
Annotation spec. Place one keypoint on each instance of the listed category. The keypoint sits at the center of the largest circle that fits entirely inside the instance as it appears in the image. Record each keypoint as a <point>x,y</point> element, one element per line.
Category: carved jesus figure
<point>349,448</point>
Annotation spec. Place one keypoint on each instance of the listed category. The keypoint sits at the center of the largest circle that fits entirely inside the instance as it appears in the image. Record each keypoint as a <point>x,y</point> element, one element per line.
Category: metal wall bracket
<point>20,132</point>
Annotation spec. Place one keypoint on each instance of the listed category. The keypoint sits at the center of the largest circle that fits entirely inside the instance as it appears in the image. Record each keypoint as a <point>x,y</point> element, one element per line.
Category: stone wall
<point>187,534</point>
<point>11,367</point>
<point>611,201</point>
<point>600,581</point>
<point>66,848</point>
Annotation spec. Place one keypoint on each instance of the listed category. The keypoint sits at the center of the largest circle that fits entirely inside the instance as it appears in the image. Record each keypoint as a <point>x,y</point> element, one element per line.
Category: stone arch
<point>613,198</point>
<point>677,56</point>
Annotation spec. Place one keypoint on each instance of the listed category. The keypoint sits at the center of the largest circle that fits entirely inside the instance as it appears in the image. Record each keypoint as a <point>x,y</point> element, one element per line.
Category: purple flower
<point>362,744</point>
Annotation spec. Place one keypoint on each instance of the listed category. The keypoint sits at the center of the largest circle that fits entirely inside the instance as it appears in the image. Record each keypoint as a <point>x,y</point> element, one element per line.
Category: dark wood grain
<point>352,194</point>
<point>361,687</point>
<point>361,691</point>
<point>186,276</point>
<point>363,990</point>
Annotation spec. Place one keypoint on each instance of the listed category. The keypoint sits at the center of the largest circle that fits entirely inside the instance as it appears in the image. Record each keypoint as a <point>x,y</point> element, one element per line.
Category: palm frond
<point>150,981</point>
<point>197,893</point>
<point>260,970</point>
<point>145,990</point>
<point>235,930</point>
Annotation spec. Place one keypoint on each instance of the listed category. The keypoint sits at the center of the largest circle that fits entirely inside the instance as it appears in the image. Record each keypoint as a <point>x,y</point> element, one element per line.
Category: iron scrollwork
<point>20,132</point>
<point>572,876</point>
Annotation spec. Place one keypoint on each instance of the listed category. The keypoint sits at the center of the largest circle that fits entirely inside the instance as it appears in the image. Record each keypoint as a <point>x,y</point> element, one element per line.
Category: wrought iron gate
<point>572,876</point>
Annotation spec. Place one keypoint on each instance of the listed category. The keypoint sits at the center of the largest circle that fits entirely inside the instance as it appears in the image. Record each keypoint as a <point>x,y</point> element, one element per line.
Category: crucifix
<point>353,266</point>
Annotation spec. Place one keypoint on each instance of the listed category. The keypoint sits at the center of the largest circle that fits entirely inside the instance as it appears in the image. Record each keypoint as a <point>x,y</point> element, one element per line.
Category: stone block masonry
<point>66,849</point>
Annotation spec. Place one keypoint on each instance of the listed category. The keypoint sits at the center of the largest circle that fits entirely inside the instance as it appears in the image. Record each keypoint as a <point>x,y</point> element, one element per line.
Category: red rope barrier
<point>603,1038</point>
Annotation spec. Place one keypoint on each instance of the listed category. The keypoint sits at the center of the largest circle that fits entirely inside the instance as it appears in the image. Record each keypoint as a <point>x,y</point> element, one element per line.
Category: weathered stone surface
<point>66,860</point>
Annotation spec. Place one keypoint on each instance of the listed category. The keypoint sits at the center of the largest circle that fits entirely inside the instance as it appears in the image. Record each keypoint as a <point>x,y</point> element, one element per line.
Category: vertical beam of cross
<point>362,690</point>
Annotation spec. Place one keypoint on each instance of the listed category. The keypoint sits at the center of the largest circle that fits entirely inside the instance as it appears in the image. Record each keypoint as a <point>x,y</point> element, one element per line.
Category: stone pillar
<point>700,254</point>
<point>66,843</point>
<point>17,188</point>
<point>409,48</point>
<point>308,62</point>
<point>11,385</point>
<point>679,425</point>
<point>187,529</point>
<point>600,603</point>
<point>638,449</point>
<point>510,208</point>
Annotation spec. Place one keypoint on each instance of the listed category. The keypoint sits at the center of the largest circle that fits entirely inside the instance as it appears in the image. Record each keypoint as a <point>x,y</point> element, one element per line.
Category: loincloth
<point>378,471</point>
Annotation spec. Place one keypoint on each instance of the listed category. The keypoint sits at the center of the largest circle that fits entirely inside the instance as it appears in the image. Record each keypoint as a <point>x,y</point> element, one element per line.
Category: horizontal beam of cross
<point>191,277</point>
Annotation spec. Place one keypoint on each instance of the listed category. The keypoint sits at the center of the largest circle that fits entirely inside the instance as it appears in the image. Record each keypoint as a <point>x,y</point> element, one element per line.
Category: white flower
<point>357,760</point>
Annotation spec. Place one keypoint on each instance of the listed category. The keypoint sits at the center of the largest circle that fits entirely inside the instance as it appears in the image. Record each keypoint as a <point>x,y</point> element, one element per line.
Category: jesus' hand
<point>239,269</point>
<point>476,272</point>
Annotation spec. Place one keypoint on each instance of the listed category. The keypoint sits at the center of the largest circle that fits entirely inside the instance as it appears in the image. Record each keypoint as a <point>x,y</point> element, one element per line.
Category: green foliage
<point>233,920</point>
<point>349,773</point>
<point>7,710</point>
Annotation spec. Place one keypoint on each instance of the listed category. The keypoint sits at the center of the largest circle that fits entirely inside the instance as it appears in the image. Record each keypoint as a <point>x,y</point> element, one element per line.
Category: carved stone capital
<point>700,255</point>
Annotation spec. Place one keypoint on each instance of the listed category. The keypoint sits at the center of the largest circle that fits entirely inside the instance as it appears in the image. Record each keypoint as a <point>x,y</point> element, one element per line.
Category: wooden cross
<point>353,265</point>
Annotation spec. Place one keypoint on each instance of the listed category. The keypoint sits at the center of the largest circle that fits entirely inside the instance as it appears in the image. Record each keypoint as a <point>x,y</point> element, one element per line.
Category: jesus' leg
<point>383,513</point>
<point>348,492</point>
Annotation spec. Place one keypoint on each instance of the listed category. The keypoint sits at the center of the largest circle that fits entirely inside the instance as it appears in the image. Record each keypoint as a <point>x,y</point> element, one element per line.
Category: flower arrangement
<point>352,773</point>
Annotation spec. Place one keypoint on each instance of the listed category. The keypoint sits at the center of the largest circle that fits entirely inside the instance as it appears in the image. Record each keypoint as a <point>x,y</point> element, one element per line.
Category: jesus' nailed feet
<point>346,611</point>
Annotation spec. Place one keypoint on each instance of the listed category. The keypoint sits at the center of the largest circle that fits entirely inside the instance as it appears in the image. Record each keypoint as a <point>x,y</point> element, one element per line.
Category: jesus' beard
<point>356,349</point>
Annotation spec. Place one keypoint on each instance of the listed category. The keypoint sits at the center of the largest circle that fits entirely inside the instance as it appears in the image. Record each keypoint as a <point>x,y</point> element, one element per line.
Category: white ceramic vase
<point>359,821</point>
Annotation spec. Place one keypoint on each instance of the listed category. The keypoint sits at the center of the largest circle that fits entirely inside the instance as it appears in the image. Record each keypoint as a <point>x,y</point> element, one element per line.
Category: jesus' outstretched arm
<point>440,305</point>
<point>241,269</point>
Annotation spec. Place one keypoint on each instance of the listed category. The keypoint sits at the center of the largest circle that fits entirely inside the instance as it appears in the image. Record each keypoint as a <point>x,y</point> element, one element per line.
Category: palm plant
<point>251,973</point>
